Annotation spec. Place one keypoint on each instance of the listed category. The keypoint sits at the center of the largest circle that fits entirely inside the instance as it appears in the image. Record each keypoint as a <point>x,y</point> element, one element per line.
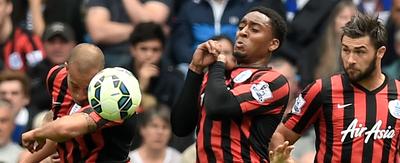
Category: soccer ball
<point>114,93</point>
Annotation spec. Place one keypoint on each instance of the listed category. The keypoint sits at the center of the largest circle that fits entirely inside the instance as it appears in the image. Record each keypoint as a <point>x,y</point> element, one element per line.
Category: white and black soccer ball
<point>114,93</point>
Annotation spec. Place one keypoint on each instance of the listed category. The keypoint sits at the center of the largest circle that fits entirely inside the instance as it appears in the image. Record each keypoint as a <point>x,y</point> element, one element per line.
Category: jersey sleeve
<point>101,123</point>
<point>266,94</point>
<point>306,108</point>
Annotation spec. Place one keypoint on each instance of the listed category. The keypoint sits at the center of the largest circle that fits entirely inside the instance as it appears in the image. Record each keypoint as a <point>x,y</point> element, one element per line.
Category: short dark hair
<point>147,31</point>
<point>279,28</point>
<point>362,25</point>
<point>11,75</point>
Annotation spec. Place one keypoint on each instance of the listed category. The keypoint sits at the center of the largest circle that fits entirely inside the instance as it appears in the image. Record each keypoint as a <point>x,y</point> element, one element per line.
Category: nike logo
<point>340,106</point>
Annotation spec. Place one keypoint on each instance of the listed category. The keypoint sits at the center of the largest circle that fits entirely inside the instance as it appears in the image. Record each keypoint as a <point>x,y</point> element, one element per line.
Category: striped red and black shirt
<point>352,124</point>
<point>22,50</point>
<point>109,143</point>
<point>262,95</point>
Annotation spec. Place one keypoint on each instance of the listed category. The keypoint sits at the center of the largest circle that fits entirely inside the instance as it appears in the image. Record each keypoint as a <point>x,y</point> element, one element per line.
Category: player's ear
<point>273,45</point>
<point>381,52</point>
<point>66,64</point>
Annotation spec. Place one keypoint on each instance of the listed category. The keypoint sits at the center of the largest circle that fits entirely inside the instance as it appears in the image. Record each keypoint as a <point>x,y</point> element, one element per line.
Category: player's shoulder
<point>270,75</point>
<point>58,70</point>
<point>56,76</point>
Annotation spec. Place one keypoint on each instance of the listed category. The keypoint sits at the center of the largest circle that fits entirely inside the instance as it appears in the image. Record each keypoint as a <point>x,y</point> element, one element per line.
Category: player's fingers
<point>29,146</point>
<point>39,146</point>
<point>279,149</point>
<point>271,154</point>
<point>215,47</point>
<point>208,46</point>
<point>288,150</point>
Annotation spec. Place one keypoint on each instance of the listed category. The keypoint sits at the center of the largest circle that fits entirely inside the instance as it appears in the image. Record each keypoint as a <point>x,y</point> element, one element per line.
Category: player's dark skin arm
<point>185,112</point>
<point>219,101</point>
<point>59,130</point>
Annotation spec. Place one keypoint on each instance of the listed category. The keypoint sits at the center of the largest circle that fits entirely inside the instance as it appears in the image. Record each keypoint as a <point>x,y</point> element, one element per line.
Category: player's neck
<point>374,81</point>
<point>5,30</point>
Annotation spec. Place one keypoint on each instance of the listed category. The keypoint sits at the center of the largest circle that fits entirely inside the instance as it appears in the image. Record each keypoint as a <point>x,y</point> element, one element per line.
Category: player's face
<point>148,51</point>
<point>6,125</point>
<point>58,49</point>
<point>78,84</point>
<point>13,92</point>
<point>227,50</point>
<point>156,133</point>
<point>359,57</point>
<point>254,39</point>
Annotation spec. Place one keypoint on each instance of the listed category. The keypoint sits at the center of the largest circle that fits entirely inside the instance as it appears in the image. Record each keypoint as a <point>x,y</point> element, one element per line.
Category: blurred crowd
<point>155,39</point>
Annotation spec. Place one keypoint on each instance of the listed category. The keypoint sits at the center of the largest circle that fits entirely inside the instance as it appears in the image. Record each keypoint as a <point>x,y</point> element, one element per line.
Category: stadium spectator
<point>58,41</point>
<point>14,87</point>
<point>200,20</point>
<point>155,76</point>
<point>355,113</point>
<point>20,50</point>
<point>9,151</point>
<point>328,55</point>
<point>306,21</point>
<point>74,127</point>
<point>392,25</point>
<point>109,24</point>
<point>231,112</point>
<point>155,131</point>
<point>393,70</point>
<point>380,8</point>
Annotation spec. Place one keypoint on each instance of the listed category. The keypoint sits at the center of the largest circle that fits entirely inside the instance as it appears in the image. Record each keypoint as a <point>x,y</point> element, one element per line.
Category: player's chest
<point>375,116</point>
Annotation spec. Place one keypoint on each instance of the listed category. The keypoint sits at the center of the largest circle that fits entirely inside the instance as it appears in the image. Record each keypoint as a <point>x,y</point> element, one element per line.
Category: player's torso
<point>358,125</point>
<point>100,146</point>
<point>227,140</point>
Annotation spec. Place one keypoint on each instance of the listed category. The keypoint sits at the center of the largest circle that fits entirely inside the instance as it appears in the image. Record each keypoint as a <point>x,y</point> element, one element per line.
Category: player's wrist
<point>195,68</point>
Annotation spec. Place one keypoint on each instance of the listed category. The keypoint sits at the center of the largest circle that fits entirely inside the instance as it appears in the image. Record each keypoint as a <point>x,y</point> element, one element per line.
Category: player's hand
<point>205,54</point>
<point>281,154</point>
<point>30,142</point>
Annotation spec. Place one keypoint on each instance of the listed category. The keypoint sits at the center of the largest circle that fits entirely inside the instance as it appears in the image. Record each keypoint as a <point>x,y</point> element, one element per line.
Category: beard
<point>362,75</point>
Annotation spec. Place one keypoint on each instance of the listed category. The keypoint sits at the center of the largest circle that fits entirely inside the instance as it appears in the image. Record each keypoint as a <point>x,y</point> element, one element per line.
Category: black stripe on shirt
<point>61,96</point>
<point>370,122</point>
<point>327,85</point>
<point>226,140</point>
<point>207,140</point>
<point>391,121</point>
<point>348,113</point>
<point>52,77</point>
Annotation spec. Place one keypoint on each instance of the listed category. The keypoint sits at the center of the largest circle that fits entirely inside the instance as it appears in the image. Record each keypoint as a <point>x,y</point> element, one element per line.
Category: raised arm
<point>185,112</point>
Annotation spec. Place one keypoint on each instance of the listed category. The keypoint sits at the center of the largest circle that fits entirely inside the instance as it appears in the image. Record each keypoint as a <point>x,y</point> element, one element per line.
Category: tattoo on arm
<point>91,125</point>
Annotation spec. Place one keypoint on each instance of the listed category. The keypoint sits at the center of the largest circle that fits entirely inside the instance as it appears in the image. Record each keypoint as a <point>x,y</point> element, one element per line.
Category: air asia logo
<point>356,130</point>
